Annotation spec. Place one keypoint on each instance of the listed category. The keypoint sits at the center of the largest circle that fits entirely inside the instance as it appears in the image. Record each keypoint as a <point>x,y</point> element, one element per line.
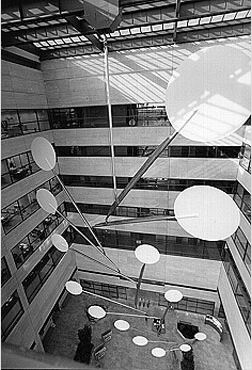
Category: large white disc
<point>73,287</point>
<point>185,347</point>
<point>97,312</point>
<point>43,153</point>
<point>173,296</point>
<point>147,254</point>
<point>59,242</point>
<point>200,336</point>
<point>47,200</point>
<point>140,341</point>
<point>158,352</point>
<point>215,83</point>
<point>218,215</point>
<point>121,325</point>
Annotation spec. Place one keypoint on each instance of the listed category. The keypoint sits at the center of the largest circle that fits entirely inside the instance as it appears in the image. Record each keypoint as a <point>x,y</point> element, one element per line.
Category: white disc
<point>218,216</point>
<point>121,325</point>
<point>185,347</point>
<point>140,341</point>
<point>97,312</point>
<point>200,336</point>
<point>43,153</point>
<point>158,352</point>
<point>73,287</point>
<point>47,200</point>
<point>219,94</point>
<point>173,296</point>
<point>147,254</point>
<point>59,242</point>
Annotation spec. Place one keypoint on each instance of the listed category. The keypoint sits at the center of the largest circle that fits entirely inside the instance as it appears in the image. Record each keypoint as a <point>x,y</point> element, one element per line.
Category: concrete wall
<point>22,87</point>
<point>135,75</point>
<point>236,324</point>
<point>180,168</point>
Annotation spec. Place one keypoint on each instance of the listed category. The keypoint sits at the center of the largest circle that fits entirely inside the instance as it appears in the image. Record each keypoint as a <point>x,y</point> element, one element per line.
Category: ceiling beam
<point>84,28</point>
<point>155,41</point>
<point>177,13</point>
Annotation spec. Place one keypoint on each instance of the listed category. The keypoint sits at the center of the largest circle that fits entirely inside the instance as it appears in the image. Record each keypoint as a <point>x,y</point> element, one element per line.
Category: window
<point>5,272</point>
<point>26,247</point>
<point>23,121</point>
<point>245,157</point>
<point>240,293</point>
<point>21,209</point>
<point>243,200</point>
<point>160,184</point>
<point>12,310</point>
<point>243,246</point>
<point>190,304</point>
<point>170,245</point>
<point>106,290</point>
<point>41,272</point>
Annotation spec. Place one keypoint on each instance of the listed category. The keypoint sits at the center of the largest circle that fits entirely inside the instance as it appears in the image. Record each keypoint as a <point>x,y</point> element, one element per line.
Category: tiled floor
<point>122,353</point>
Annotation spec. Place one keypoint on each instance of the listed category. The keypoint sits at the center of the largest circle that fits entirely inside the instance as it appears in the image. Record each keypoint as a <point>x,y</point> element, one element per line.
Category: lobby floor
<point>122,353</point>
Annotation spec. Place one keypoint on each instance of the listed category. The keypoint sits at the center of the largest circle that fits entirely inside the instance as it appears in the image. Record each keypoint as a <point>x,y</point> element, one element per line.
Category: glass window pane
<point>5,272</point>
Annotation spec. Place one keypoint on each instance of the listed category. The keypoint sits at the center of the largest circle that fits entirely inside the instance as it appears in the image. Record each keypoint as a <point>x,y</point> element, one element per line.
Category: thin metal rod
<point>93,259</point>
<point>112,301</point>
<point>85,221</point>
<point>162,321</point>
<point>101,263</point>
<point>143,219</point>
<point>139,284</point>
<point>86,238</point>
<point>106,69</point>
<point>131,315</point>
<point>161,147</point>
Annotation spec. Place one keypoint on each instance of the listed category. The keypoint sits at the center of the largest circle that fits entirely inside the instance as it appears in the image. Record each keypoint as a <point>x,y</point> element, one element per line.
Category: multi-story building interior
<point>54,86</point>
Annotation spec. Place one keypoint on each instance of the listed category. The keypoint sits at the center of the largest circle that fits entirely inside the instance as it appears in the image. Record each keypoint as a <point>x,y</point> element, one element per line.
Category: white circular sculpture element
<point>185,347</point>
<point>43,153</point>
<point>59,242</point>
<point>73,287</point>
<point>220,95</point>
<point>140,341</point>
<point>218,216</point>
<point>200,336</point>
<point>97,312</point>
<point>121,325</point>
<point>173,296</point>
<point>147,254</point>
<point>46,200</point>
<point>158,352</point>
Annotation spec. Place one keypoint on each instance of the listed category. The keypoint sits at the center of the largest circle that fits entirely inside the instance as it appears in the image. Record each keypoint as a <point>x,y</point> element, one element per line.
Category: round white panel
<point>185,347</point>
<point>59,242</point>
<point>173,296</point>
<point>46,200</point>
<point>158,352</point>
<point>140,341</point>
<point>73,287</point>
<point>214,82</point>
<point>147,254</point>
<point>43,153</point>
<point>121,325</point>
<point>200,336</point>
<point>97,312</point>
<point>218,215</point>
